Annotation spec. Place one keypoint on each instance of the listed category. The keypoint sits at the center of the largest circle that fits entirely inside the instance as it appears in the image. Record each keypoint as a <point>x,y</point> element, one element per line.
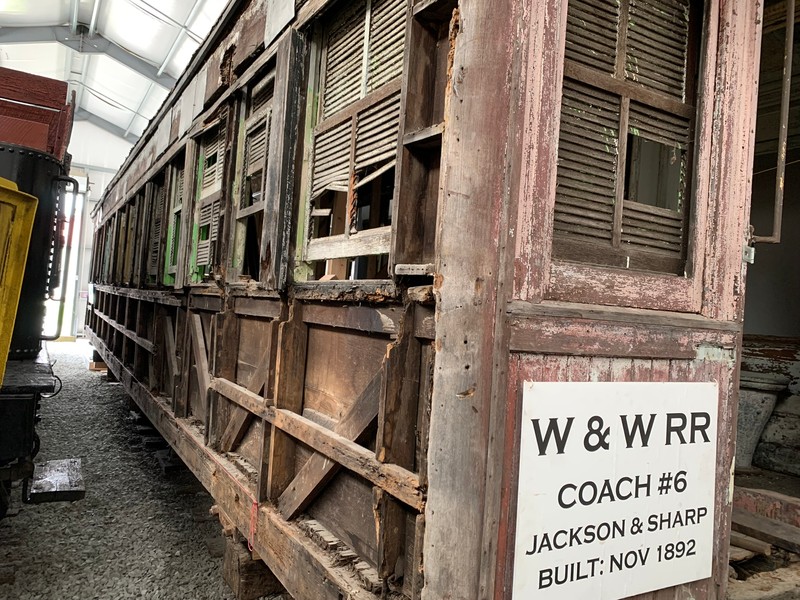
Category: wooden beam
<point>252,402</point>
<point>399,482</point>
<point>290,375</point>
<point>279,179</point>
<point>768,530</point>
<point>131,335</point>
<point>201,366</point>
<point>319,469</point>
<point>396,440</point>
<point>226,338</point>
<point>157,296</point>
<point>200,353</point>
<point>169,350</point>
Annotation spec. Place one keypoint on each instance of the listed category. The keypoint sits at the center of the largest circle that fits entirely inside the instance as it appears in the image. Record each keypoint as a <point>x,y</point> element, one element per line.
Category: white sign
<point>616,488</point>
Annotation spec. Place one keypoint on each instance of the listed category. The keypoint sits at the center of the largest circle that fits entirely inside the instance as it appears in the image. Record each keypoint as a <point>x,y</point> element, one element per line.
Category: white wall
<point>98,152</point>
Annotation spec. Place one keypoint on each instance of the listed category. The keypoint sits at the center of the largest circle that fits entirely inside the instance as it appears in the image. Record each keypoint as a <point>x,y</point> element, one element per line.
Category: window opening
<point>627,123</point>
<point>252,201</point>
<point>356,140</point>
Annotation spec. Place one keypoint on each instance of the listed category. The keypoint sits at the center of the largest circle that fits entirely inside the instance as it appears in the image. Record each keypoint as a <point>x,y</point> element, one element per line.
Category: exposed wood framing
<point>319,469</point>
<point>383,414</point>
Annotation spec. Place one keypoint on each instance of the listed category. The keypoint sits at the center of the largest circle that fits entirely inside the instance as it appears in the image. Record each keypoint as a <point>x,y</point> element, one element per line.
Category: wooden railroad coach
<point>356,228</point>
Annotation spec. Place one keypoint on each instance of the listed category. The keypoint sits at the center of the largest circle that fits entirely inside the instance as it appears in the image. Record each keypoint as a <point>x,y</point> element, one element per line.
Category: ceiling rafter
<point>80,43</point>
<point>181,32</point>
<point>81,114</point>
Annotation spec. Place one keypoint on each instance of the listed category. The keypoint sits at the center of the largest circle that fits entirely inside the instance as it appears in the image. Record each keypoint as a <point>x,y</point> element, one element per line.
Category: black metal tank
<point>38,174</point>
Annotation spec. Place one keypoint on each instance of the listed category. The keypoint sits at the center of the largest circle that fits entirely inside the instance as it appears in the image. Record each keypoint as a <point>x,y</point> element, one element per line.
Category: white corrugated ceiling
<point>121,57</point>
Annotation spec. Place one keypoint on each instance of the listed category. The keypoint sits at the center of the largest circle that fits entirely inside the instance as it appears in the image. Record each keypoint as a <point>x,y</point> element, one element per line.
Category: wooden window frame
<point>635,229</point>
<point>156,239</point>
<point>209,201</point>
<point>549,278</point>
<point>249,122</point>
<point>175,213</point>
<point>352,243</point>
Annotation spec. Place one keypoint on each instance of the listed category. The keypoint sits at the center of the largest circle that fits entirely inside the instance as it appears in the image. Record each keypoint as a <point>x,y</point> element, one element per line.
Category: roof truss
<point>87,45</point>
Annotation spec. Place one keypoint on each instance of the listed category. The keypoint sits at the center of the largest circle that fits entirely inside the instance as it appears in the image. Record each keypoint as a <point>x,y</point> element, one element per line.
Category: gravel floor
<point>137,534</point>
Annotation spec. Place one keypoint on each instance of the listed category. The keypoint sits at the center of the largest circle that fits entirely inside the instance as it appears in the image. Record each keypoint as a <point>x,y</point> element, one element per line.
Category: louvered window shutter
<point>155,231</point>
<point>346,80</point>
<point>256,149</point>
<point>622,180</point>
<point>332,159</point>
<point>386,37</point>
<point>208,224</point>
<point>658,39</point>
<point>344,60</point>
<point>587,163</point>
<point>261,98</point>
<point>592,33</point>
<point>376,132</point>
<point>212,163</point>
<point>178,198</point>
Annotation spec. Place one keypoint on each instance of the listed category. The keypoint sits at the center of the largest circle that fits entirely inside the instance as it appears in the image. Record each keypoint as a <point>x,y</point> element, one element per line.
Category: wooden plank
<point>289,378</point>
<point>205,302</point>
<point>319,469</point>
<point>265,308</point>
<point>573,282</point>
<point>736,554</point>
<point>360,318</point>
<point>416,570</point>
<point>396,439</point>
<point>374,292</point>
<point>627,315</point>
<point>200,353</point>
<point>399,482</point>
<point>201,367</point>
<point>280,177</point>
<point>750,543</point>
<point>768,530</point>
<point>585,337</point>
<point>169,350</point>
<point>362,243</point>
<point>252,402</point>
<point>157,296</point>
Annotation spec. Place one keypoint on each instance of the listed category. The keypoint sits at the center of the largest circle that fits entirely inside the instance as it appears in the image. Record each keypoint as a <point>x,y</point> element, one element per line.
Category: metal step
<point>57,481</point>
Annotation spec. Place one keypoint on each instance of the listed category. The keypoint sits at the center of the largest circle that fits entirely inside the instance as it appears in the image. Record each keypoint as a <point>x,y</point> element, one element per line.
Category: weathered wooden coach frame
<point>385,411</point>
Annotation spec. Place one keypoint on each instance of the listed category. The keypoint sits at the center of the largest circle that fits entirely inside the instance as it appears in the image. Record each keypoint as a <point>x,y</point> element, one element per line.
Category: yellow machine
<point>17,213</point>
